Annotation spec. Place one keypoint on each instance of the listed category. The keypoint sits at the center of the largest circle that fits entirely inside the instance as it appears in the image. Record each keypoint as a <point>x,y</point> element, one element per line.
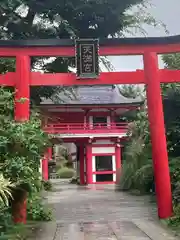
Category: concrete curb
<point>154,230</point>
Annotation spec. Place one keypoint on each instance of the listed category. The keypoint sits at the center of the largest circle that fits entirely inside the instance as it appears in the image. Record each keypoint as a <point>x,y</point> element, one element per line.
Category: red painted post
<point>50,153</point>
<point>45,170</point>
<point>89,164</point>
<point>22,88</point>
<point>22,113</point>
<point>118,156</point>
<point>118,162</point>
<point>158,137</point>
<point>19,209</point>
<point>81,162</point>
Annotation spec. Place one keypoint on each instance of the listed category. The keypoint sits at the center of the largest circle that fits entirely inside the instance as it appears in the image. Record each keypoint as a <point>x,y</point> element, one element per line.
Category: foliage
<point>5,190</point>
<point>36,210</point>
<point>18,232</point>
<point>21,19</point>
<point>66,172</point>
<point>137,171</point>
<point>22,144</point>
<point>139,146</point>
<point>172,61</point>
<point>75,180</point>
<point>29,19</point>
<point>130,90</point>
<point>5,219</point>
<point>47,185</point>
<point>137,167</point>
<point>21,148</point>
<point>171,95</point>
<point>62,157</point>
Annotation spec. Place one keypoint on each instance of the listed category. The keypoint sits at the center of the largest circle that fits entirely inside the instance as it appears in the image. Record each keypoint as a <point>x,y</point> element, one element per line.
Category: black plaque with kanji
<point>87,58</point>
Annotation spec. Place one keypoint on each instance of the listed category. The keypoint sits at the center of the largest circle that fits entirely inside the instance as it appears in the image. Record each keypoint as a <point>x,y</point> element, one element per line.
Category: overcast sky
<point>166,11</point>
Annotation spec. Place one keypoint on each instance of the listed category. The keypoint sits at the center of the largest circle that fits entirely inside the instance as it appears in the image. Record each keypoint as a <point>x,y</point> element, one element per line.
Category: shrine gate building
<point>92,121</point>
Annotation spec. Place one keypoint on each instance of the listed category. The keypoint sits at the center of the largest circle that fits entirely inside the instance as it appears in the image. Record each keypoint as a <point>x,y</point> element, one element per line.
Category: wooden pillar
<point>158,137</point>
<point>21,113</point>
<point>50,153</point>
<point>118,156</point>
<point>112,118</point>
<point>81,162</point>
<point>89,164</point>
<point>45,170</point>
<point>118,162</point>
<point>22,88</point>
<point>19,207</point>
<point>85,123</point>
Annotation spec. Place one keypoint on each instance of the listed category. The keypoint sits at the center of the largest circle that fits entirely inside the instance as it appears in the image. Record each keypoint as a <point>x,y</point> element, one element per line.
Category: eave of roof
<point>94,95</point>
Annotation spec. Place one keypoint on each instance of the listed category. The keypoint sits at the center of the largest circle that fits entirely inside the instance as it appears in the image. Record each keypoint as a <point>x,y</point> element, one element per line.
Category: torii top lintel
<point>24,49</point>
<point>65,47</point>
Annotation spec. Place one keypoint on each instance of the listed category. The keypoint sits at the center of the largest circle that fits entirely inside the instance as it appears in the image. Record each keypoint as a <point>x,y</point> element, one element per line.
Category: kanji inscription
<point>87,58</point>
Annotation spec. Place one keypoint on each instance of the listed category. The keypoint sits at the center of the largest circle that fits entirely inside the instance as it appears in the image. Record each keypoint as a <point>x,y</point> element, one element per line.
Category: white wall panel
<point>114,177</point>
<point>93,164</point>
<point>94,178</point>
<point>114,163</point>
<point>108,121</point>
<point>103,150</point>
<point>102,142</point>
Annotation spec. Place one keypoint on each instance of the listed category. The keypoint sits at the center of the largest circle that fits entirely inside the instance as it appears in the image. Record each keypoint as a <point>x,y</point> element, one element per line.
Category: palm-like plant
<point>6,187</point>
<point>137,170</point>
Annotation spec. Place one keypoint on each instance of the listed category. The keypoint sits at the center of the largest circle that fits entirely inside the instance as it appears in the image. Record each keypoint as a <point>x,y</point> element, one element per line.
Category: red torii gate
<point>152,76</point>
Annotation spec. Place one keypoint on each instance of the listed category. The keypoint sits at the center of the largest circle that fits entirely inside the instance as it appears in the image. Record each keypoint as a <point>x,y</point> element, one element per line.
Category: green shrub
<point>137,171</point>
<point>5,219</point>
<point>175,220</point>
<point>36,211</point>
<point>47,185</point>
<point>75,180</point>
<point>22,144</point>
<point>66,172</point>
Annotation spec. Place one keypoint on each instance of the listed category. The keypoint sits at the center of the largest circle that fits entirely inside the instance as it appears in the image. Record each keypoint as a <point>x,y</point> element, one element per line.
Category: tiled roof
<point>86,95</point>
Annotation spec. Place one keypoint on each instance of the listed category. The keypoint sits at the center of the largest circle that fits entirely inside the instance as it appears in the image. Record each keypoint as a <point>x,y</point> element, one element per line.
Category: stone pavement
<point>100,213</point>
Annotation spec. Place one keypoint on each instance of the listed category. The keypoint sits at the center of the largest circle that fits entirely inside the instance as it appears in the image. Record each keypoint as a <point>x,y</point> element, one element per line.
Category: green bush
<point>66,172</point>
<point>5,219</point>
<point>137,171</point>
<point>75,180</point>
<point>22,144</point>
<point>47,185</point>
<point>36,211</point>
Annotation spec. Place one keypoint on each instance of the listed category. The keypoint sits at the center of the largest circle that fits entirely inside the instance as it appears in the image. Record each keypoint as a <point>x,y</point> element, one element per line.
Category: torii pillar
<point>158,137</point>
<point>21,113</point>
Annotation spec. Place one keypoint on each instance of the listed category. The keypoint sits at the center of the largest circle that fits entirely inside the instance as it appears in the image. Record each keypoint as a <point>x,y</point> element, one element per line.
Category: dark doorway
<point>104,178</point>
<point>103,163</point>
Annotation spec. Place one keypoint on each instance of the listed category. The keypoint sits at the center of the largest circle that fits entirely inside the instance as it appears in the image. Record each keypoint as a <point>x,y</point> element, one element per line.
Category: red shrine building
<point>93,122</point>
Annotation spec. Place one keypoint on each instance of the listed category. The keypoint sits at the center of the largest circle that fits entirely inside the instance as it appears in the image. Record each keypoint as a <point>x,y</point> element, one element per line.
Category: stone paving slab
<point>124,230</point>
<point>154,230</point>
<point>83,213</point>
<point>92,231</point>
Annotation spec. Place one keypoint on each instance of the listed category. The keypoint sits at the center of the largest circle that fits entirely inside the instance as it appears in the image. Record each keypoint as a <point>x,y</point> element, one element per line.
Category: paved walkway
<point>100,213</point>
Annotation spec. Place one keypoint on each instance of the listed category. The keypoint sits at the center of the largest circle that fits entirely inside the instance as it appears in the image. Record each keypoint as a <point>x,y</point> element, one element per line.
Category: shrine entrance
<point>87,74</point>
<point>103,164</point>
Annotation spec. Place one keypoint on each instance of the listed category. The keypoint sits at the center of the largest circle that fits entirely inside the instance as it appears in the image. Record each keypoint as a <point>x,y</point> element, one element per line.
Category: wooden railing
<point>86,128</point>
